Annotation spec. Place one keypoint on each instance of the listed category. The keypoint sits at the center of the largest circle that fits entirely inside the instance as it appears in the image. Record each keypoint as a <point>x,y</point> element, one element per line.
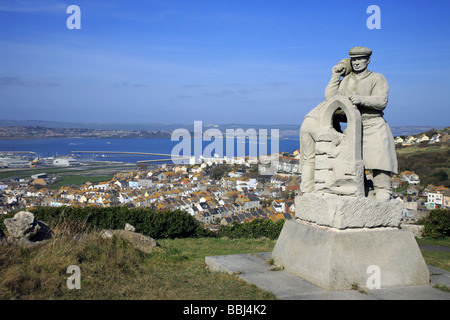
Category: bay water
<point>64,147</point>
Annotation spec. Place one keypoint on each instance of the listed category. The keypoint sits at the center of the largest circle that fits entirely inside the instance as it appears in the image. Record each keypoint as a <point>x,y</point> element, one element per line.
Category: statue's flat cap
<point>360,52</point>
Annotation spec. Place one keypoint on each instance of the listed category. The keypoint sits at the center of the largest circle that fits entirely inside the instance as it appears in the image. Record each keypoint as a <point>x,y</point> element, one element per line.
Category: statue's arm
<point>379,97</point>
<point>332,88</point>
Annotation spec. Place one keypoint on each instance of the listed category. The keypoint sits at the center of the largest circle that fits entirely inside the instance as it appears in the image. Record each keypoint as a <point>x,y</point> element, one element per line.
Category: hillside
<point>112,269</point>
<point>431,161</point>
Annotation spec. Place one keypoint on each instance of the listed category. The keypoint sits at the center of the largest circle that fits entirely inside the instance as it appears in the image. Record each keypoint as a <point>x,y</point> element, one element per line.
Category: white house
<point>423,138</point>
<point>278,207</point>
<point>235,174</point>
<point>410,177</point>
<point>434,200</point>
<point>436,138</point>
<point>250,183</point>
<point>124,198</point>
<point>410,140</point>
<point>133,184</point>
<point>399,140</point>
<point>102,186</point>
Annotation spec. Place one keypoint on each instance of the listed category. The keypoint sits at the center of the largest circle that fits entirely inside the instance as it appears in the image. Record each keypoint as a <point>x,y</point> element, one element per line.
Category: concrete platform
<point>341,259</point>
<point>256,269</point>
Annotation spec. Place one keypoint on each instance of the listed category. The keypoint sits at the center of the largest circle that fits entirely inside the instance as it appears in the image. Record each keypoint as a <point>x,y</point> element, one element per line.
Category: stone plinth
<point>343,212</point>
<point>339,259</point>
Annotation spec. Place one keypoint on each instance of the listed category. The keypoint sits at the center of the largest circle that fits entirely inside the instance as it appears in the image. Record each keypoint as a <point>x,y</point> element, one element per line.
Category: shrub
<point>218,172</point>
<point>441,175</point>
<point>169,224</point>
<point>437,223</point>
<point>250,230</point>
<point>156,224</point>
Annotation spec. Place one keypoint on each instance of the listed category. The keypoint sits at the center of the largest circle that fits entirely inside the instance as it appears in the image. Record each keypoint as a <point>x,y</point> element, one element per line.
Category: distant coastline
<point>29,132</point>
<point>35,129</point>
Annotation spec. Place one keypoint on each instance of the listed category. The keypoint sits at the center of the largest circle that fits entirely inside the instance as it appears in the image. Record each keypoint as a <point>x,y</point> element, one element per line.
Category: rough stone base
<point>343,212</point>
<point>339,260</point>
<point>141,242</point>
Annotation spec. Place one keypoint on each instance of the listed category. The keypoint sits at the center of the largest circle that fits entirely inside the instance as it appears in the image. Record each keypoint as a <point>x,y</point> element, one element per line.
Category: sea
<point>61,147</point>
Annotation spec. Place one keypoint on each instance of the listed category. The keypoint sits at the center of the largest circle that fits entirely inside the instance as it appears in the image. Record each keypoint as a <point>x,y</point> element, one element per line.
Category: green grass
<point>112,269</point>
<point>422,148</point>
<point>183,274</point>
<point>23,173</point>
<point>435,241</point>
<point>439,259</point>
<point>426,160</point>
<point>77,180</point>
<point>27,172</point>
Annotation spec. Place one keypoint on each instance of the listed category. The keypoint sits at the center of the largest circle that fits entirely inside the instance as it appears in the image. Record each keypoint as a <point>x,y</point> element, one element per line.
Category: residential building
<point>423,138</point>
<point>434,200</point>
<point>410,176</point>
<point>399,140</point>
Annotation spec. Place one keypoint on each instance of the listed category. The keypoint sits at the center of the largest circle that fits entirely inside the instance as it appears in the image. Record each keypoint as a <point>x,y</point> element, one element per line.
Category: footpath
<point>256,269</point>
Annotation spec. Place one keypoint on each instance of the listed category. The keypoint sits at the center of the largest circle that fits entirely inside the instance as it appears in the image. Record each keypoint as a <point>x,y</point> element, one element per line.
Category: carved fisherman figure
<point>368,91</point>
<point>336,198</point>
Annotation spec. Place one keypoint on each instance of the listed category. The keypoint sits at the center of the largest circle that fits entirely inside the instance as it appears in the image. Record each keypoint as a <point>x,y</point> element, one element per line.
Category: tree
<point>437,223</point>
<point>218,172</point>
<point>441,175</point>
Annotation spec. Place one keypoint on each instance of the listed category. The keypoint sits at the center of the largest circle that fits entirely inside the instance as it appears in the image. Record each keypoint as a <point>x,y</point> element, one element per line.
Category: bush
<point>250,230</point>
<point>156,224</point>
<point>219,171</point>
<point>437,223</point>
<point>441,175</point>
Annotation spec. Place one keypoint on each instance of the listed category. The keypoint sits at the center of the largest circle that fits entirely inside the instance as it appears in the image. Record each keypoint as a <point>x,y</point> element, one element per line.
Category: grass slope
<point>439,259</point>
<point>112,269</point>
<point>426,160</point>
<point>78,180</point>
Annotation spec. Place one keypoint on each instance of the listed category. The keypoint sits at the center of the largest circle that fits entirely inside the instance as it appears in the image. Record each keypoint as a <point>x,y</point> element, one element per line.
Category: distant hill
<point>411,130</point>
<point>285,129</point>
<point>86,125</point>
<point>431,161</point>
<point>430,132</point>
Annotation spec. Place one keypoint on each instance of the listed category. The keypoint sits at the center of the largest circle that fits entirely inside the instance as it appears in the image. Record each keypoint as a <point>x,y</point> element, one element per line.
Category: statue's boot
<point>382,195</point>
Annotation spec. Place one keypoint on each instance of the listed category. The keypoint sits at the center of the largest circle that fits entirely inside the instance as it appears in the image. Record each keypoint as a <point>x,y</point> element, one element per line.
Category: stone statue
<point>341,229</point>
<point>368,92</point>
<point>335,191</point>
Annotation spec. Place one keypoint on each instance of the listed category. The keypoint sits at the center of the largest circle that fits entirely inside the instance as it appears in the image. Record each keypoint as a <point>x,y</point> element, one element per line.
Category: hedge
<point>255,229</point>
<point>436,223</point>
<point>156,224</point>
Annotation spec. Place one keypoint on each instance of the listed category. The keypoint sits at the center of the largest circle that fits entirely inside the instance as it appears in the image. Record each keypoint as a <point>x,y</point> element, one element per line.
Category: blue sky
<point>218,61</point>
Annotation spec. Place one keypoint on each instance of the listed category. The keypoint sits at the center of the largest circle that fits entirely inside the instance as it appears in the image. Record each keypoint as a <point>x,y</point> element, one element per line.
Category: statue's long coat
<point>378,142</point>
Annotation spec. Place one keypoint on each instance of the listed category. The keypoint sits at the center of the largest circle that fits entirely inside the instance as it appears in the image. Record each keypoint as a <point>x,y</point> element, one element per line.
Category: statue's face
<point>360,63</point>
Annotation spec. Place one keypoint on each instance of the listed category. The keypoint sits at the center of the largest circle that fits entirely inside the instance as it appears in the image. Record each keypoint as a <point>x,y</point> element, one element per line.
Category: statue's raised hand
<point>338,69</point>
